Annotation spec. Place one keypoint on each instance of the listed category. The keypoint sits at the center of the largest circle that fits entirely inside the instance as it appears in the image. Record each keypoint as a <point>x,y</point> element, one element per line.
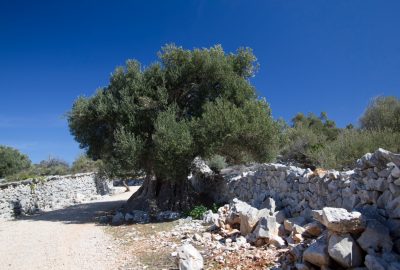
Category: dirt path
<point>62,239</point>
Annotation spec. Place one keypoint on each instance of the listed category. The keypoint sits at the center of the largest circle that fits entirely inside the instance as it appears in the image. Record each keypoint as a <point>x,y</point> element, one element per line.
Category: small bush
<point>52,166</point>
<point>300,144</point>
<point>84,164</point>
<point>383,113</point>
<point>197,212</point>
<point>217,163</point>
<point>351,144</point>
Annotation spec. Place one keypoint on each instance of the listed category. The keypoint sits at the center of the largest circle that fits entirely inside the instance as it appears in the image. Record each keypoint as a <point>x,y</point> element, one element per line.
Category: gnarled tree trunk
<point>156,195</point>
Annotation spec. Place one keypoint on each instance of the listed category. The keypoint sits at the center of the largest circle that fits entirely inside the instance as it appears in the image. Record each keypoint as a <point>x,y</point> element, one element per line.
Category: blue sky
<point>314,56</point>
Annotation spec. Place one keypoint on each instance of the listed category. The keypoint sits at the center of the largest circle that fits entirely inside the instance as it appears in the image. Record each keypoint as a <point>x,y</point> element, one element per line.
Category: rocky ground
<point>242,237</point>
<point>69,238</point>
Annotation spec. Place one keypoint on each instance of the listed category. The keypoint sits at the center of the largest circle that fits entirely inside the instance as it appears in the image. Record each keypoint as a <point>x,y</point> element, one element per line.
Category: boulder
<point>247,214</point>
<point>395,172</point>
<point>137,216</point>
<point>385,157</point>
<point>266,227</point>
<point>393,208</point>
<point>167,216</point>
<point>269,204</point>
<point>189,258</point>
<point>375,263</point>
<point>276,241</point>
<point>289,223</point>
<point>210,218</point>
<point>313,229</point>
<point>375,238</point>
<point>344,250</point>
<point>341,221</point>
<point>317,253</point>
<point>118,219</point>
<point>280,216</point>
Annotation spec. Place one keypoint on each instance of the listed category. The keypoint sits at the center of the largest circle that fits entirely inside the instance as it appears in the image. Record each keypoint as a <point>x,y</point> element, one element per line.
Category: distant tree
<point>52,166</point>
<point>382,113</point>
<point>85,164</point>
<point>319,125</point>
<point>159,118</point>
<point>307,135</point>
<point>12,161</point>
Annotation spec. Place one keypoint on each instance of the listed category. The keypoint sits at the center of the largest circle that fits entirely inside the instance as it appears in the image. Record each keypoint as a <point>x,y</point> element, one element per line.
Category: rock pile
<point>334,239</point>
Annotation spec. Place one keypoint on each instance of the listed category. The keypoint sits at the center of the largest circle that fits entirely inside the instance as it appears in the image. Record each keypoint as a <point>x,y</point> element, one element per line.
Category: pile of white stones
<point>334,239</point>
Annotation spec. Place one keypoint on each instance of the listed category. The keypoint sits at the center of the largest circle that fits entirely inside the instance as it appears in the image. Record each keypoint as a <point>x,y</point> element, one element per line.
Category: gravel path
<point>62,239</point>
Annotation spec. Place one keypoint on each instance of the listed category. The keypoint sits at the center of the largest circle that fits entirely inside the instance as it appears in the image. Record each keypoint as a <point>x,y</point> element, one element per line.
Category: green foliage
<point>191,103</point>
<point>52,166</point>
<point>307,135</point>
<point>214,208</point>
<point>84,164</point>
<point>383,113</point>
<point>351,144</point>
<point>197,212</point>
<point>240,133</point>
<point>22,175</point>
<point>12,161</point>
<point>216,163</point>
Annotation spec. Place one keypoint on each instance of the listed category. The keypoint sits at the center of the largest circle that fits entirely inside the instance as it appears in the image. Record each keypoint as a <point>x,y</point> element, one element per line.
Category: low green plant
<point>214,208</point>
<point>197,212</point>
<point>217,163</point>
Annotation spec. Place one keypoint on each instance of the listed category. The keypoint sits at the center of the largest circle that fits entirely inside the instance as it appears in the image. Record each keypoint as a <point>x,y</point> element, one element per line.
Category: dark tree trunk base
<point>155,196</point>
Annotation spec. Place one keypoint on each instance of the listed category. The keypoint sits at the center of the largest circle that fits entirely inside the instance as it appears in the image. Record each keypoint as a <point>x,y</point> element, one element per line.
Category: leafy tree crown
<point>190,103</point>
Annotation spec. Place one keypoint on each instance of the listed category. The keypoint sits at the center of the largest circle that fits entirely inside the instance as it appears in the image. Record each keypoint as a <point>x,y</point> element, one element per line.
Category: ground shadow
<point>77,214</point>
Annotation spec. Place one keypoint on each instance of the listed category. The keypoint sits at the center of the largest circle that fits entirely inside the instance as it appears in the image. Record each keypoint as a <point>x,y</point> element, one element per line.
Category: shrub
<point>52,166</point>
<point>351,144</point>
<point>382,113</point>
<point>301,143</point>
<point>217,163</point>
<point>85,164</point>
<point>197,212</point>
<point>12,161</point>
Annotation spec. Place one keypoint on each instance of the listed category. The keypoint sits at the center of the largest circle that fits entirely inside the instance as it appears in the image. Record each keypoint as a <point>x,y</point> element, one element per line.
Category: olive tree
<point>156,119</point>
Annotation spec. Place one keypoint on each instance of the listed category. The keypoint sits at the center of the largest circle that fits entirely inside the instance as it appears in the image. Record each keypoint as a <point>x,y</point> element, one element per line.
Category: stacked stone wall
<point>49,193</point>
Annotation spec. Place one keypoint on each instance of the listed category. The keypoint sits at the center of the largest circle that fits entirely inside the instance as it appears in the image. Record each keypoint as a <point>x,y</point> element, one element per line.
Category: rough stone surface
<point>50,193</point>
<point>248,216</point>
<point>375,238</point>
<point>375,263</point>
<point>189,258</point>
<point>342,221</point>
<point>210,218</point>
<point>344,250</point>
<point>291,222</point>
<point>317,253</point>
<point>295,191</point>
<point>267,228</point>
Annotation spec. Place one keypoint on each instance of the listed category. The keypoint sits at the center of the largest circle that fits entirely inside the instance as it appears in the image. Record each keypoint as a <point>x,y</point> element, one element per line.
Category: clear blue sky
<point>314,56</point>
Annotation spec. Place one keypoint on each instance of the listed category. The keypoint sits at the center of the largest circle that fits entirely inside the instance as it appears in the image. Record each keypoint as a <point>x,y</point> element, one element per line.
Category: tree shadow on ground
<point>77,214</point>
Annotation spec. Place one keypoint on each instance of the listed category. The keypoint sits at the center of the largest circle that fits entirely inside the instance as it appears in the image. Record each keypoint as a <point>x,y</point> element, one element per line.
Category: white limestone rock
<point>189,258</point>
<point>344,250</point>
<point>375,238</point>
<point>341,221</point>
<point>317,253</point>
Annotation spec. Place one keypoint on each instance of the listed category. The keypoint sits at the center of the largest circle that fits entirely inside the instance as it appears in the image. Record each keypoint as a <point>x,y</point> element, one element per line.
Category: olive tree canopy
<point>156,119</point>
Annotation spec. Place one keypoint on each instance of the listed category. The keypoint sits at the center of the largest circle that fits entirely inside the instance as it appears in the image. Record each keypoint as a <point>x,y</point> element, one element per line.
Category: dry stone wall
<point>49,193</point>
<point>375,182</point>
